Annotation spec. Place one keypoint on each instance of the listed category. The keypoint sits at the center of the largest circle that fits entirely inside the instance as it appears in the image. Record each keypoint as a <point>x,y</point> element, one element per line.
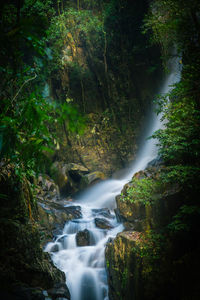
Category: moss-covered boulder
<point>123,266</point>
<point>95,177</point>
<point>61,177</point>
<point>145,202</point>
<point>69,177</point>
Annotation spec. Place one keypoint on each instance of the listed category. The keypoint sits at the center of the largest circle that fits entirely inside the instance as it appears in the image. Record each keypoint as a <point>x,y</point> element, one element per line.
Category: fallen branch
<point>25,82</point>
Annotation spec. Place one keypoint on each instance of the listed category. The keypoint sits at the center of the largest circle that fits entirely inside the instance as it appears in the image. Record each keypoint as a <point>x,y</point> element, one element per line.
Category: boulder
<point>69,177</point>
<point>102,223</point>
<point>80,169</point>
<point>74,211</point>
<point>94,177</point>
<point>158,210</point>
<point>52,217</point>
<point>47,184</point>
<point>123,266</point>
<point>105,212</point>
<point>60,290</point>
<point>76,173</point>
<point>83,238</point>
<point>61,177</point>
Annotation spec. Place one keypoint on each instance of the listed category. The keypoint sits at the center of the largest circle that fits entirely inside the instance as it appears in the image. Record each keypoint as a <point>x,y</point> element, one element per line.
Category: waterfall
<point>84,265</point>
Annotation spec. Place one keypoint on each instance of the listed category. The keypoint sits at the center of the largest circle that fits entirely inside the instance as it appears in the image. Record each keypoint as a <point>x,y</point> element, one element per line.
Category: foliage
<point>68,113</point>
<point>142,190</point>
<point>26,134</point>
<point>150,248</point>
<point>186,218</point>
<point>169,20</point>
<point>39,8</point>
<point>29,122</point>
<point>184,175</point>
<point>179,140</point>
<point>67,29</point>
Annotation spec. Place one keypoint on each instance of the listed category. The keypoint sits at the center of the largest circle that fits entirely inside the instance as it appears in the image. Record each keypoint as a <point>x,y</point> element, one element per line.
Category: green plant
<point>142,190</point>
<point>186,219</point>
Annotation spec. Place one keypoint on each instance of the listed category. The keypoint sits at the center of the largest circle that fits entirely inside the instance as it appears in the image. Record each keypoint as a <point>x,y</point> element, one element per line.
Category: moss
<point>141,190</point>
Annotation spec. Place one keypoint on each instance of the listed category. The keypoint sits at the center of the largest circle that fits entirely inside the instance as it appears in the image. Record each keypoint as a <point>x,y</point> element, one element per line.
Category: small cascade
<point>84,266</point>
<point>79,250</point>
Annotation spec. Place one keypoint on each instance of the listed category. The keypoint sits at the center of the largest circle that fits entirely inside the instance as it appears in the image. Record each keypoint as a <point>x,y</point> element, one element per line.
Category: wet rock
<point>102,223</point>
<point>60,290</point>
<point>57,231</point>
<point>133,212</point>
<point>77,169</point>
<point>74,211</point>
<point>155,162</point>
<point>23,293</point>
<point>123,266</point>
<point>55,248</point>
<point>105,212</point>
<point>61,177</point>
<point>47,188</point>
<point>69,177</point>
<point>83,238</point>
<point>95,177</point>
<point>51,219</point>
<point>120,217</point>
<point>157,211</point>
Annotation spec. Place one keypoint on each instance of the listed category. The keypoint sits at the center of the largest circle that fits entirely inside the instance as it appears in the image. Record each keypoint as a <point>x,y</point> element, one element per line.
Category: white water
<point>84,266</point>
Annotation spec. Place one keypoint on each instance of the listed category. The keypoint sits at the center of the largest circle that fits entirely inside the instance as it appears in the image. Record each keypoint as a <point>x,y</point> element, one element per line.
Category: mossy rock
<point>22,260</point>
<point>123,266</point>
<point>144,210</point>
<point>94,177</point>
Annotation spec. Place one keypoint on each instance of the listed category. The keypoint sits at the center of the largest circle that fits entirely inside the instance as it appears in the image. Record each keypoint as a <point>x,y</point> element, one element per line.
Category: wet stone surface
<point>83,238</point>
<point>75,211</point>
<point>102,223</point>
<point>105,212</point>
<point>59,290</point>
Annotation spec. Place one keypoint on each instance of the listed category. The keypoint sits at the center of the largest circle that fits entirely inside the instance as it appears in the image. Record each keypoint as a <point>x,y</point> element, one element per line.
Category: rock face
<point>72,177</point>
<point>52,217</point>
<point>51,211</point>
<point>23,262</point>
<point>123,266</point>
<point>141,215</point>
<point>125,258</point>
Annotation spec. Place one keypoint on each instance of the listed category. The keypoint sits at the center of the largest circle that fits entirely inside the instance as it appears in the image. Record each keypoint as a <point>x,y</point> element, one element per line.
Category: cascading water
<point>84,266</point>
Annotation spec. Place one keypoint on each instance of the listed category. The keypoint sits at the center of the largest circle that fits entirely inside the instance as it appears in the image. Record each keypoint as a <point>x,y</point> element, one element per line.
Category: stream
<point>84,265</point>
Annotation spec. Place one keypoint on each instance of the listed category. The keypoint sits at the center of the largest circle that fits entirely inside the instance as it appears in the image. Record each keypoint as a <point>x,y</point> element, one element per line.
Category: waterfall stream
<point>84,265</point>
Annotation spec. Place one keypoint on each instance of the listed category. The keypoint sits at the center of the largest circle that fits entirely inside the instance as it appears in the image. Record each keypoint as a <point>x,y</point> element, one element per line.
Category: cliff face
<point>110,72</point>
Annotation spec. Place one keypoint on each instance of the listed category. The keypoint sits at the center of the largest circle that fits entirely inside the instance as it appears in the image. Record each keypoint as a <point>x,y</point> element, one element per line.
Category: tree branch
<point>25,82</point>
